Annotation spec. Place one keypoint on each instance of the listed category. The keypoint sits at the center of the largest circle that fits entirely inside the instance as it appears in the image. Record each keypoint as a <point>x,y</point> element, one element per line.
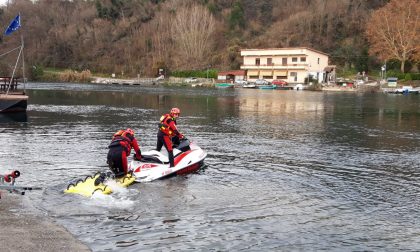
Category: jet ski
<point>188,158</point>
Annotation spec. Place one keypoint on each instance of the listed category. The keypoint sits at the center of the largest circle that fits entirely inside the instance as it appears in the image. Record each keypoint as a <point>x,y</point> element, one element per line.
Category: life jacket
<point>164,125</point>
<point>122,138</point>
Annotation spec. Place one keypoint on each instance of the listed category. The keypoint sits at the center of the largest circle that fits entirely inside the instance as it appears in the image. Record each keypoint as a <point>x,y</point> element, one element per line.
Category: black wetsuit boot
<point>171,158</point>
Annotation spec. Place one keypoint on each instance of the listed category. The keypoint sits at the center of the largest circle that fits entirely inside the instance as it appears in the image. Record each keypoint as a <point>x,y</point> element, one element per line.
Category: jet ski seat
<point>151,159</point>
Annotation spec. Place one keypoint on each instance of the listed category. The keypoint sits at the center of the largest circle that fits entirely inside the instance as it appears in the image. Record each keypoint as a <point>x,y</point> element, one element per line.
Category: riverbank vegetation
<point>133,38</point>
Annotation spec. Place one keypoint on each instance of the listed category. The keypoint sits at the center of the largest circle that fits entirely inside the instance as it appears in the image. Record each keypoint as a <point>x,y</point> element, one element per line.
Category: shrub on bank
<point>412,76</point>
<point>211,73</point>
<point>403,76</point>
<point>36,73</point>
<point>49,77</point>
<point>74,76</point>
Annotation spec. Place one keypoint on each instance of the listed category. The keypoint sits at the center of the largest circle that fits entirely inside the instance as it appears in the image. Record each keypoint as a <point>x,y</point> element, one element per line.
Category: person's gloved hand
<point>135,157</point>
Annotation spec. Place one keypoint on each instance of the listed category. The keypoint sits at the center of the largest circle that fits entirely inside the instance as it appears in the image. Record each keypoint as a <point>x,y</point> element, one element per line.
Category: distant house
<point>293,65</point>
<point>330,74</point>
<point>231,76</point>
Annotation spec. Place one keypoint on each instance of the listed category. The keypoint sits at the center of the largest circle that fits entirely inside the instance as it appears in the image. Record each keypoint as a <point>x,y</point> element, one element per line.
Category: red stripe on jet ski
<point>145,166</point>
<point>181,156</point>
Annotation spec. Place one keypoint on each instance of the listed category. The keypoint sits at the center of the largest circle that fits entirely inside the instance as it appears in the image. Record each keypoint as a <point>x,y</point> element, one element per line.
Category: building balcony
<point>275,67</point>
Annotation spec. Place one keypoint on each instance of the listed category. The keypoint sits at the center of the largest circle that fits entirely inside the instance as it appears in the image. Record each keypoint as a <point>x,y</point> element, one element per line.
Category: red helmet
<point>175,111</point>
<point>130,131</point>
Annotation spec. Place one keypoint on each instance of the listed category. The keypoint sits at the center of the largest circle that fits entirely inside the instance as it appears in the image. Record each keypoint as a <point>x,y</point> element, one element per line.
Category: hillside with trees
<point>133,37</point>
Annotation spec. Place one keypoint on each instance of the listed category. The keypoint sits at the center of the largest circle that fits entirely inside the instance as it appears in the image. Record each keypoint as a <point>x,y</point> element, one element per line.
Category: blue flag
<point>14,25</point>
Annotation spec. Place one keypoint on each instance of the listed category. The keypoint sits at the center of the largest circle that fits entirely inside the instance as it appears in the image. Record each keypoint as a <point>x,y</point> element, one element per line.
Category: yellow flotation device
<point>126,180</point>
<point>87,187</point>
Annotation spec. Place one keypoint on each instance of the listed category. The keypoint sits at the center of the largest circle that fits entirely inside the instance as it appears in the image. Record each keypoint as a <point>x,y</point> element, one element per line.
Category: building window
<point>253,77</point>
<point>294,75</point>
<point>269,61</point>
<point>265,77</point>
<point>318,61</point>
<point>284,61</point>
<point>302,59</point>
<point>257,61</point>
<point>294,59</point>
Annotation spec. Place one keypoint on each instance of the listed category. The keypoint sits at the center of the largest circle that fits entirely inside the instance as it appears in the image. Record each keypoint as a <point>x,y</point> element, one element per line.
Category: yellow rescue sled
<point>93,184</point>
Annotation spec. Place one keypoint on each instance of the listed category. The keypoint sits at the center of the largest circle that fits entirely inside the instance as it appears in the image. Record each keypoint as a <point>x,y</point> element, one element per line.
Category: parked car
<point>279,82</point>
<point>241,82</point>
<point>261,82</point>
<point>191,80</point>
<point>392,81</point>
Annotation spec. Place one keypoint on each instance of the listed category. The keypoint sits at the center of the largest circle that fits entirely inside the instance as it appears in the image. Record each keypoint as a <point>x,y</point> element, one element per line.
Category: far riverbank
<point>210,83</point>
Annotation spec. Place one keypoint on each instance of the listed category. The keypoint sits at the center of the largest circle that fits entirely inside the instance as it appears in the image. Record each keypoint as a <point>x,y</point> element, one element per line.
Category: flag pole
<point>23,57</point>
<point>17,60</point>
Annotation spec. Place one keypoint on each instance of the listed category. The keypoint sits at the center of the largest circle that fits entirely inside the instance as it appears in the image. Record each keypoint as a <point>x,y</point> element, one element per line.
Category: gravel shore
<point>20,231</point>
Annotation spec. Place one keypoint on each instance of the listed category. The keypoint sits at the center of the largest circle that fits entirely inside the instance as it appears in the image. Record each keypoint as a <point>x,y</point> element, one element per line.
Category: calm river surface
<point>286,170</point>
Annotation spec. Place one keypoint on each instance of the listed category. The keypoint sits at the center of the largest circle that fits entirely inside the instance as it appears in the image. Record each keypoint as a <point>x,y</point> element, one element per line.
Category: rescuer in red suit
<point>167,131</point>
<point>120,149</point>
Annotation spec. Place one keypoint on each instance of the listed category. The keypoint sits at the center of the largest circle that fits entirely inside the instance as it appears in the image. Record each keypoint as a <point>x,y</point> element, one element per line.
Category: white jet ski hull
<point>155,165</point>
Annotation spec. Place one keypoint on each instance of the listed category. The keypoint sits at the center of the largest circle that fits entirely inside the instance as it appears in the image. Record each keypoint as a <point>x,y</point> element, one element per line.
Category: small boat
<point>11,100</point>
<point>284,88</point>
<point>224,85</point>
<point>406,90</point>
<point>270,86</point>
<point>13,103</point>
<point>249,85</point>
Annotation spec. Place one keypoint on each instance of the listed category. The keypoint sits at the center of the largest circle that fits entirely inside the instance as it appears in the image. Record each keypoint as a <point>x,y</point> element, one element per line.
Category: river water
<point>285,170</point>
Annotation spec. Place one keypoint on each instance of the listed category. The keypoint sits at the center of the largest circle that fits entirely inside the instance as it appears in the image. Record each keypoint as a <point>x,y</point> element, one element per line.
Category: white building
<point>290,64</point>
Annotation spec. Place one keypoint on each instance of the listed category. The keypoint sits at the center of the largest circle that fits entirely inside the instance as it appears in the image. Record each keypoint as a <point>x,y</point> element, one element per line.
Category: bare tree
<point>394,33</point>
<point>161,37</point>
<point>137,36</point>
<point>192,31</point>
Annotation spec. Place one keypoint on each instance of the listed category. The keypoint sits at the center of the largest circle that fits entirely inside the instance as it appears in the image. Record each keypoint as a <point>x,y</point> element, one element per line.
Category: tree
<point>393,31</point>
<point>236,18</point>
<point>192,31</point>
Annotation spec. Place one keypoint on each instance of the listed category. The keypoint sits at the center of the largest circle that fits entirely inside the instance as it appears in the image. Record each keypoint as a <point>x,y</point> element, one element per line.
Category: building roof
<point>285,48</point>
<point>329,68</point>
<point>232,72</point>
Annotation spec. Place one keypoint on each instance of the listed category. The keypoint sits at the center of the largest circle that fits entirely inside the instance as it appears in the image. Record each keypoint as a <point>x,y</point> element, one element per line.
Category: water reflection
<point>281,102</point>
<point>13,117</point>
<point>286,170</point>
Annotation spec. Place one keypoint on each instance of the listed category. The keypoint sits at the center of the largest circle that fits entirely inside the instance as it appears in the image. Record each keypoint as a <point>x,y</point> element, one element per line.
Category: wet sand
<point>20,231</point>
